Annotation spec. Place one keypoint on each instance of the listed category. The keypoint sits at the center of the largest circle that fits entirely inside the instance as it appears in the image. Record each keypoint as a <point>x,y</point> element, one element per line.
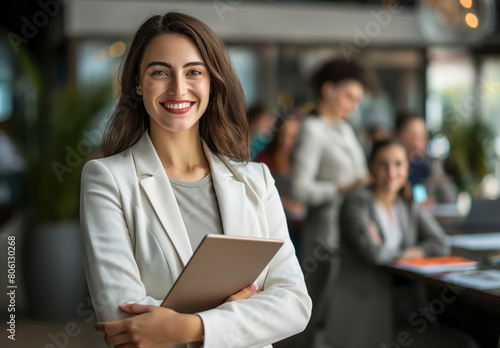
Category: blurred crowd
<point>352,206</point>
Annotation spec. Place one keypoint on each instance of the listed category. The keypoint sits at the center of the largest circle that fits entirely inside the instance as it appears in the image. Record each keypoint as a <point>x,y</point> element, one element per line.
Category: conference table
<point>472,310</point>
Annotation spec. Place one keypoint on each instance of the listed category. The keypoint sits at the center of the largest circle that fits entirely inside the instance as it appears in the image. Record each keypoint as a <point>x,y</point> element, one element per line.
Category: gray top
<point>199,208</point>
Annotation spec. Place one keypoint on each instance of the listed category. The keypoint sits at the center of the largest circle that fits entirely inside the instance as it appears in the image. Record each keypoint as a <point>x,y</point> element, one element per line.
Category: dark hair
<point>339,70</point>
<point>382,144</point>
<point>255,111</point>
<point>223,126</point>
<point>404,117</point>
<point>277,129</point>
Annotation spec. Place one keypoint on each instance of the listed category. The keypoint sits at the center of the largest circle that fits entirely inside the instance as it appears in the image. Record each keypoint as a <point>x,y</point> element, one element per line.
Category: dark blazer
<point>361,310</point>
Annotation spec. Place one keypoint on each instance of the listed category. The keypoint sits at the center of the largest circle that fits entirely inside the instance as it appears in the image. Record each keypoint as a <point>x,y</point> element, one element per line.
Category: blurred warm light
<point>103,54</point>
<point>391,6</point>
<point>117,49</point>
<point>466,3</point>
<point>471,20</point>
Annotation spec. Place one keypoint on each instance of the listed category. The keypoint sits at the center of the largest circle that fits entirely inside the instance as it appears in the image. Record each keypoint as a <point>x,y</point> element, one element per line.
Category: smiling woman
<point>204,58</point>
<point>175,170</point>
<point>378,224</point>
<point>175,92</point>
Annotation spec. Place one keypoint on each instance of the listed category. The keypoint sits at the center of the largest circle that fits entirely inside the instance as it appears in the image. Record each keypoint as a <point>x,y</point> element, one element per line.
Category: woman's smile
<point>178,106</point>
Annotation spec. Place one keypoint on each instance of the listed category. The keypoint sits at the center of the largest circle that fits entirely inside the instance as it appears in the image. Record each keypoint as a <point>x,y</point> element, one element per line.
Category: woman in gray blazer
<point>328,161</point>
<point>377,226</point>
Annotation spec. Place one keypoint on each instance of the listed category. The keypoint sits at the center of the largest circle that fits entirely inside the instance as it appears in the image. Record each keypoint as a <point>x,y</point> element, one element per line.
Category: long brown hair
<point>223,126</point>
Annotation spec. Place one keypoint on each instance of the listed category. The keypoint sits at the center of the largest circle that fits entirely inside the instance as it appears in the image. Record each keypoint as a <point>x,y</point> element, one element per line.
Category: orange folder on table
<point>436,264</point>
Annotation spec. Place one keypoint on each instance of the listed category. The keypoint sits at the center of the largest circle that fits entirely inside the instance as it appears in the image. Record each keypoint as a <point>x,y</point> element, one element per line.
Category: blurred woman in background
<point>328,162</point>
<point>260,119</point>
<point>278,157</point>
<point>378,225</point>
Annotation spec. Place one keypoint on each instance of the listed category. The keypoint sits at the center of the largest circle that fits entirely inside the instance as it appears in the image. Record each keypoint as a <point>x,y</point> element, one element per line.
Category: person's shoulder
<point>118,163</point>
<point>257,175</point>
<point>248,169</point>
<point>313,122</point>
<point>358,195</point>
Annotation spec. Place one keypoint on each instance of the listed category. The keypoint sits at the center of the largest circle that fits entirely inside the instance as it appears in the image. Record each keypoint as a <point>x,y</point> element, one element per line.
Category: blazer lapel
<point>373,213</point>
<point>157,187</point>
<point>404,221</point>
<point>231,195</point>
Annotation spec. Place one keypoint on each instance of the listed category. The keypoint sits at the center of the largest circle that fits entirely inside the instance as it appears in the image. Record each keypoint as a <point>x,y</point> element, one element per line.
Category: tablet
<point>220,267</point>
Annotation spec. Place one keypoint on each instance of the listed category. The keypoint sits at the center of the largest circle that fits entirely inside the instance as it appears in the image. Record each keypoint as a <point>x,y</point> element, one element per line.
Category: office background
<point>58,79</point>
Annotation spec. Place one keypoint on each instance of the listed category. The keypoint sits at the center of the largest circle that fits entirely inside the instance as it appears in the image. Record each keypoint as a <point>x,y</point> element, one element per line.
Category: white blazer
<point>136,245</point>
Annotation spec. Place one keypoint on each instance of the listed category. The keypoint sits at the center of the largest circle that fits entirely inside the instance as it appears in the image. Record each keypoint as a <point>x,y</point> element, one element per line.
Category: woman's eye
<point>194,72</point>
<point>159,73</point>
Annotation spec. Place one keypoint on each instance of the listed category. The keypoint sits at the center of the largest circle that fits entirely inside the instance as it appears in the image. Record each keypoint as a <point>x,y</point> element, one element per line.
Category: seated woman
<point>378,225</point>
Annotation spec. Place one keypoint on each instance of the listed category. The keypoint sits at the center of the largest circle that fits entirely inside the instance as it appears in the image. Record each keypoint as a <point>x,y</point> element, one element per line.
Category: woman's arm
<point>112,273</point>
<point>151,326</point>
<point>432,238</point>
<point>360,232</point>
<point>307,159</point>
<point>282,308</point>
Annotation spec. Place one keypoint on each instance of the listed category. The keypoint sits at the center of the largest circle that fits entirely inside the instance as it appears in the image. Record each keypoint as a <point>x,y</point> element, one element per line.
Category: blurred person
<point>412,132</point>
<point>375,132</point>
<point>187,137</point>
<point>447,188</point>
<point>378,225</point>
<point>378,133</point>
<point>328,162</point>
<point>426,175</point>
<point>261,120</point>
<point>278,157</point>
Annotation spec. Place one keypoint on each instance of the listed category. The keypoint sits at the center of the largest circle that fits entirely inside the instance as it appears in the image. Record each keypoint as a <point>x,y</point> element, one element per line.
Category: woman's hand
<point>151,326</point>
<point>413,252</point>
<point>243,294</point>
<point>366,180</point>
<point>373,234</point>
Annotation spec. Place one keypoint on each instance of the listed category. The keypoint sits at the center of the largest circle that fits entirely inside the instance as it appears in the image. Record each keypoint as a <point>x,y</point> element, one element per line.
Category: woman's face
<point>415,137</point>
<point>174,83</point>
<point>288,134</point>
<point>344,97</point>
<point>389,168</point>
